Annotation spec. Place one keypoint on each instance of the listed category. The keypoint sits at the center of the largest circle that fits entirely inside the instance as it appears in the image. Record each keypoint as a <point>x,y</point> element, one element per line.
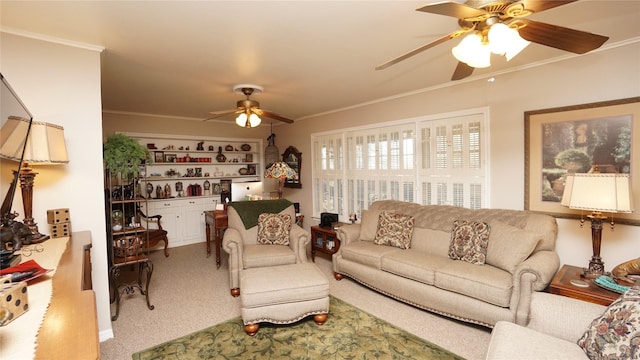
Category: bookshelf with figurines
<point>188,175</point>
<point>190,166</point>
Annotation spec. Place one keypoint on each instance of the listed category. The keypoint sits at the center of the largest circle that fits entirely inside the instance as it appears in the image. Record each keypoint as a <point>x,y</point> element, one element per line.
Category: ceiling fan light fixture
<point>518,44</point>
<point>472,51</point>
<point>505,40</point>
<point>252,120</point>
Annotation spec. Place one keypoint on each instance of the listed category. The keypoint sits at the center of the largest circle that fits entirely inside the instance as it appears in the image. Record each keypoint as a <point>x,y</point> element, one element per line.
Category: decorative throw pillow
<point>509,246</point>
<point>469,241</point>
<point>273,229</point>
<point>394,230</point>
<point>615,334</point>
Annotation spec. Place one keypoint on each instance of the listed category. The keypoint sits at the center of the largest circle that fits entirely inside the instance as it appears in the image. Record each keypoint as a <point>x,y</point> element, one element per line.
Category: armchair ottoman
<point>282,295</point>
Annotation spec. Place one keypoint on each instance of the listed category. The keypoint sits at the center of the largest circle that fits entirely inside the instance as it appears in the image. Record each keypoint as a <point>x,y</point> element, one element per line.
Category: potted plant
<point>123,155</point>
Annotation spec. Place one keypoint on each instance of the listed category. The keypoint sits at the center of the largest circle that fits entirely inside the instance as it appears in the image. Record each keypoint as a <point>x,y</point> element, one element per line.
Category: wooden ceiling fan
<point>478,16</point>
<point>249,108</point>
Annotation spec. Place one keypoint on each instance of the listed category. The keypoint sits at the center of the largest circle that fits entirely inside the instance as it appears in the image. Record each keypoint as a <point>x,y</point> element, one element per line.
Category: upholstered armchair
<point>241,239</point>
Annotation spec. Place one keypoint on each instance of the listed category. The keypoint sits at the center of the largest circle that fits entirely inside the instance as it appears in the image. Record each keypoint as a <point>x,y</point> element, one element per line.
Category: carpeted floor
<point>349,333</point>
<point>190,294</point>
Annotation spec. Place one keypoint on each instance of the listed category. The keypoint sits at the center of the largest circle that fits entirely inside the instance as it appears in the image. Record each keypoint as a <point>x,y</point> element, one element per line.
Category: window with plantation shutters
<point>452,170</point>
<point>429,160</point>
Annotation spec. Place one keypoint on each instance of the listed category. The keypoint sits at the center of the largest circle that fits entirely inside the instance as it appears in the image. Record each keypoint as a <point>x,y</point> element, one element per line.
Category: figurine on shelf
<point>207,188</point>
<point>210,147</point>
<point>200,146</point>
<point>159,192</point>
<point>167,191</point>
<point>220,157</point>
<point>179,189</point>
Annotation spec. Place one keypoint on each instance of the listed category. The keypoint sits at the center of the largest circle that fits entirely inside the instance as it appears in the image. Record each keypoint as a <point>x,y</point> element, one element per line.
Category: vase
<point>220,157</point>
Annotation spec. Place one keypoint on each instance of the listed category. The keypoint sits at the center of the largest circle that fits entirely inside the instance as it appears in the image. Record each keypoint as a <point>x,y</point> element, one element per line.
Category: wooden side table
<point>561,285</point>
<point>219,220</point>
<point>323,240</point>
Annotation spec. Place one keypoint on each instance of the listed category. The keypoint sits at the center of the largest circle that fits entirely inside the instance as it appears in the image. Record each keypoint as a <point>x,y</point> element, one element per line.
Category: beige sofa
<point>556,323</point>
<point>520,260</point>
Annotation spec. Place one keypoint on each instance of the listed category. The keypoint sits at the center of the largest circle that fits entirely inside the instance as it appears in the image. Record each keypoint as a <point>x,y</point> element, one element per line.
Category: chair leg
<point>251,329</point>
<point>166,245</point>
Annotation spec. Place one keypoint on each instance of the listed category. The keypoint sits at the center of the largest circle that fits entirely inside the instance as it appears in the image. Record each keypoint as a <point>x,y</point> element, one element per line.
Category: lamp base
<point>595,269</point>
<point>36,239</point>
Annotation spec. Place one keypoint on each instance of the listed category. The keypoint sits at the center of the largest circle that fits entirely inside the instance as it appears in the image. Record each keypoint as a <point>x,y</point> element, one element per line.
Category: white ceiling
<point>182,58</point>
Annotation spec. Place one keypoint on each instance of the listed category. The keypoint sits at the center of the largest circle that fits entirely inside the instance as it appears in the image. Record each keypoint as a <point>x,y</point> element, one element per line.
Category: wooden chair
<point>154,231</point>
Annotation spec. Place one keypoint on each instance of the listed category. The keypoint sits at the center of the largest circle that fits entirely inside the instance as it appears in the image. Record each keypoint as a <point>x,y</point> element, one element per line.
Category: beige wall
<point>61,85</point>
<point>598,76</point>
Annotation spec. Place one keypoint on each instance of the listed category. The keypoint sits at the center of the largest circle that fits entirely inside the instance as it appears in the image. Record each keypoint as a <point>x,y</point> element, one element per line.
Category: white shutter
<point>443,164</point>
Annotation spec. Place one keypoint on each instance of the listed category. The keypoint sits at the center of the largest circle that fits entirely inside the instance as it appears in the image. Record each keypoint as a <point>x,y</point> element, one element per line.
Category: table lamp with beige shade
<point>45,145</point>
<point>598,193</point>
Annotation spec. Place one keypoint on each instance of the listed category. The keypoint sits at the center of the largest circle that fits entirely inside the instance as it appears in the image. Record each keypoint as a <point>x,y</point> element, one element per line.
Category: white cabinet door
<point>192,219</point>
<point>170,219</point>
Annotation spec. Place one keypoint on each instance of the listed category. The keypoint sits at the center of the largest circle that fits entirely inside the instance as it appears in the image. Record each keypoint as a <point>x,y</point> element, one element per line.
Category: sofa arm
<point>298,240</point>
<point>533,274</point>
<point>232,245</point>
<point>543,265</point>
<point>561,316</point>
<point>348,233</point>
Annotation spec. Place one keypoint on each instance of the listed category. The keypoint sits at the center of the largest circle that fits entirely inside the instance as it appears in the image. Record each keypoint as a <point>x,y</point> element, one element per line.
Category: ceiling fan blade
<point>219,114</point>
<point>422,48</point>
<point>452,9</point>
<point>559,37</point>
<point>537,6</point>
<point>462,71</point>
<point>272,115</point>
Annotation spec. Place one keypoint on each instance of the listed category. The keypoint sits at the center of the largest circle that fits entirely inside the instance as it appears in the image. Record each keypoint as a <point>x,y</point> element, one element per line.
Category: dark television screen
<point>11,107</point>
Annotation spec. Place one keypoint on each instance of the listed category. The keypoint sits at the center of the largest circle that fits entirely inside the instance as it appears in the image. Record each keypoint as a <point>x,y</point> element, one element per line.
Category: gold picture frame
<point>556,140</point>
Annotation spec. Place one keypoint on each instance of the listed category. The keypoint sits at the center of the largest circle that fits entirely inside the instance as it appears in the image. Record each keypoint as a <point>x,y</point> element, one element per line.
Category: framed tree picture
<point>580,139</point>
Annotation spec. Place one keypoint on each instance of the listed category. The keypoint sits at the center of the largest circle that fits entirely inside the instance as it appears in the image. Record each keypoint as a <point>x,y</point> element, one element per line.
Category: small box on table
<point>60,230</point>
<point>57,216</point>
<point>14,298</point>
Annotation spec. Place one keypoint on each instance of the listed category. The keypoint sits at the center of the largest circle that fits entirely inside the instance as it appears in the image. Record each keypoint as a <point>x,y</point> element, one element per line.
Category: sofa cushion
<point>369,224</point>
<point>274,229</point>
<point>469,240</point>
<point>255,255</point>
<point>366,253</point>
<point>434,242</point>
<point>394,230</point>
<point>509,246</point>
<point>413,265</point>
<point>486,282</point>
<point>615,334</point>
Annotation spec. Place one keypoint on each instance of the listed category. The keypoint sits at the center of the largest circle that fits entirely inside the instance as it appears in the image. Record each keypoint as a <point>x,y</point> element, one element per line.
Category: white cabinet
<point>182,218</point>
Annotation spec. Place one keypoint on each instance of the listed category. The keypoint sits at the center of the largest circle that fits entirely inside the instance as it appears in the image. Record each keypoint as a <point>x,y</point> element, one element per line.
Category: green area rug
<point>349,333</point>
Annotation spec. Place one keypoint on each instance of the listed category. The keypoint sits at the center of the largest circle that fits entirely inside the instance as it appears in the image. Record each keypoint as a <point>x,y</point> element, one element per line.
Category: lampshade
<point>280,170</point>
<point>45,144</point>
<point>598,192</point>
<point>254,120</point>
<point>472,51</point>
